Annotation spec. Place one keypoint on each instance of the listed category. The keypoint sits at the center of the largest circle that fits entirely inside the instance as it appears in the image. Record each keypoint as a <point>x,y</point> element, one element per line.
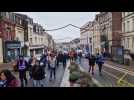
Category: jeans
<point>79,60</point>
<point>64,64</point>
<point>22,76</point>
<point>38,83</point>
<point>52,73</point>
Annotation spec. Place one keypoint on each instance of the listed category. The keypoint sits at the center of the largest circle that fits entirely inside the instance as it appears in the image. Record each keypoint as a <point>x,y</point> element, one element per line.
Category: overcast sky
<point>52,20</point>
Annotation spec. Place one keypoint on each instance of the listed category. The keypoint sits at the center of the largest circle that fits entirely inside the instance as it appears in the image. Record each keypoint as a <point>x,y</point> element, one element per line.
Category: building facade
<point>7,34</point>
<point>110,29</point>
<point>36,44</point>
<point>86,37</point>
<point>19,33</point>
<point>96,36</point>
<point>75,44</point>
<point>128,31</point>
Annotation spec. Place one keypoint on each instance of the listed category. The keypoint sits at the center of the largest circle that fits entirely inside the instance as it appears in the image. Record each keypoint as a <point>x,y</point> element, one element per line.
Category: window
<point>128,27</point>
<point>35,39</point>
<point>123,42</point>
<point>133,24</point>
<point>20,22</point>
<point>133,42</point>
<point>30,40</point>
<point>127,42</point>
<point>124,27</point>
<point>41,40</point>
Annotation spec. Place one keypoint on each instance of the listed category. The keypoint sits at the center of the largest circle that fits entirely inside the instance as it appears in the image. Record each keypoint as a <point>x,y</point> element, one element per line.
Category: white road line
<point>94,80</point>
<point>120,69</point>
<point>65,79</point>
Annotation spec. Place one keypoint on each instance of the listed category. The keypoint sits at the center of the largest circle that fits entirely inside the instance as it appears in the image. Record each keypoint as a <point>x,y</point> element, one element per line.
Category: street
<point>102,37</point>
<point>110,74</point>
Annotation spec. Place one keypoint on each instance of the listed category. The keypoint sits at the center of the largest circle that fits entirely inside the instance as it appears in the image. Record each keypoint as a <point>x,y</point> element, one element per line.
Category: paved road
<point>109,77</point>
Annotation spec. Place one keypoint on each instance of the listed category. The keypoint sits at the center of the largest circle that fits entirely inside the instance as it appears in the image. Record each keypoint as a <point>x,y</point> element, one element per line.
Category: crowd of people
<point>37,67</point>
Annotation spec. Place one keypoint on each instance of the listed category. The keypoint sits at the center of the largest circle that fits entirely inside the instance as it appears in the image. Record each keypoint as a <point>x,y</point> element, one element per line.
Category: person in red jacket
<point>11,81</point>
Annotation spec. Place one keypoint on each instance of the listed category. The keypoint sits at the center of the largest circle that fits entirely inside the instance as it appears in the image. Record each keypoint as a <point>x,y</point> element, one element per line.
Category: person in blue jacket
<point>100,62</point>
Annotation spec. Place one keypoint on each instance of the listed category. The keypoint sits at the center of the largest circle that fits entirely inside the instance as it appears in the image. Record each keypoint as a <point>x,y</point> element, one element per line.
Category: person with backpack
<point>7,79</point>
<point>22,67</point>
<point>38,74</point>
<point>100,62</point>
<point>52,61</point>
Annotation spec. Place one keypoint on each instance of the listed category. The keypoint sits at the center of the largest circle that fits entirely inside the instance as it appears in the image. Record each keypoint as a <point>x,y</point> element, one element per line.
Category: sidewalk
<point>130,68</point>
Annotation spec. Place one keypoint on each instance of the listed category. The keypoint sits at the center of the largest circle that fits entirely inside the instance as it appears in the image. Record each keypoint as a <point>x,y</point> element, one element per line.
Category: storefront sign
<point>13,44</point>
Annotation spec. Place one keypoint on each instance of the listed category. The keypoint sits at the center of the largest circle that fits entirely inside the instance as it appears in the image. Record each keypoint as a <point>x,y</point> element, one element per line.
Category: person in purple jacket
<point>22,67</point>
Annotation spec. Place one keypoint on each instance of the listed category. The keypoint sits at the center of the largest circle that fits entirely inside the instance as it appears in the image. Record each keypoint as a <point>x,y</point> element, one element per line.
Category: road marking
<point>119,80</point>
<point>94,80</point>
<point>110,74</point>
<point>65,79</point>
<point>120,69</point>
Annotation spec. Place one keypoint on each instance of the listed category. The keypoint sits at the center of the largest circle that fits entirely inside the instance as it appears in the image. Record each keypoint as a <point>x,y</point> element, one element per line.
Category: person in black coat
<point>38,74</point>
<point>92,61</point>
<point>59,58</point>
<point>64,59</point>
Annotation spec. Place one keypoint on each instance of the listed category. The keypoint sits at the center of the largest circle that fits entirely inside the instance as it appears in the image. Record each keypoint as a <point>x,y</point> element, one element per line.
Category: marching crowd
<point>37,67</point>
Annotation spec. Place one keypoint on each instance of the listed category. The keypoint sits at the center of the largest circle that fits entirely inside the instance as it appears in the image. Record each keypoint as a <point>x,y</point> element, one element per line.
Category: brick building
<point>7,33</point>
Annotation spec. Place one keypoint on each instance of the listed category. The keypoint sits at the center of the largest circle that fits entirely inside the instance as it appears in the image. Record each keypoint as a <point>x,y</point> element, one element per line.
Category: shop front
<point>12,50</point>
<point>37,50</point>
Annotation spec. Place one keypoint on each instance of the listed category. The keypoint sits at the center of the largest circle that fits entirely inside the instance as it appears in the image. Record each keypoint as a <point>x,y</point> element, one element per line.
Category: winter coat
<point>44,59</point>
<point>92,60</point>
<point>100,59</point>
<point>38,72</point>
<point>20,63</point>
<point>64,57</point>
<point>60,57</point>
